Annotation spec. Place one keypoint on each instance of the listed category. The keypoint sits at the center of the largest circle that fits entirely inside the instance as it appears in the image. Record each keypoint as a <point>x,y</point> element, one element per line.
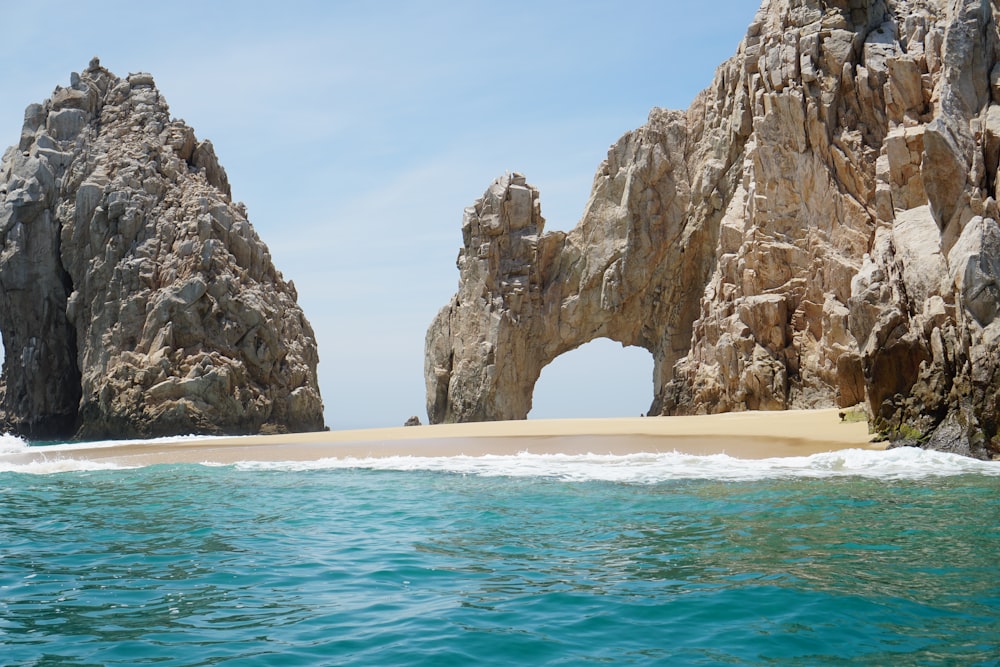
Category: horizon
<point>356,135</point>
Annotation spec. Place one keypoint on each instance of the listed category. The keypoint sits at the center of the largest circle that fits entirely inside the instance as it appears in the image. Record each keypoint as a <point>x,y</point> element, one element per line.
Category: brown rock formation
<point>818,228</point>
<point>136,298</point>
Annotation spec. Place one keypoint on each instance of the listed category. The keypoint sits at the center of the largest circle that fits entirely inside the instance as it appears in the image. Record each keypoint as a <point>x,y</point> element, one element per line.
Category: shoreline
<point>746,435</point>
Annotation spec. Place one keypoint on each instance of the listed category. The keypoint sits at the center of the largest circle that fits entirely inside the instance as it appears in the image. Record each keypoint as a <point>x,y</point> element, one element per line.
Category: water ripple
<point>189,565</point>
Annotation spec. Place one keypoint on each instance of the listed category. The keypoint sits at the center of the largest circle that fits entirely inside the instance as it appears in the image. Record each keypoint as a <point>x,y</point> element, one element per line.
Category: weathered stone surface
<point>526,296</point>
<point>136,298</point>
<point>789,241</point>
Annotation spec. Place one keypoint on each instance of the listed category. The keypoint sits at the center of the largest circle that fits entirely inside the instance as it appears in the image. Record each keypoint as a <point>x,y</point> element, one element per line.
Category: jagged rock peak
<point>818,228</point>
<point>135,297</point>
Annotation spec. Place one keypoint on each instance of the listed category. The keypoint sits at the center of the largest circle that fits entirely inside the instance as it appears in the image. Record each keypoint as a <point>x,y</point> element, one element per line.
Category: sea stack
<point>819,228</point>
<point>136,299</point>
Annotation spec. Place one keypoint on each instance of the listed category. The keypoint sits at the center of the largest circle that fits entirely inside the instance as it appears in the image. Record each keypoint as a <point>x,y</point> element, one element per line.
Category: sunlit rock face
<point>135,297</point>
<point>817,229</point>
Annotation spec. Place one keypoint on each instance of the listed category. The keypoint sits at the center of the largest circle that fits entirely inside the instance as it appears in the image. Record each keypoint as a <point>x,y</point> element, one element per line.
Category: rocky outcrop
<point>525,296</point>
<point>135,297</point>
<point>818,228</point>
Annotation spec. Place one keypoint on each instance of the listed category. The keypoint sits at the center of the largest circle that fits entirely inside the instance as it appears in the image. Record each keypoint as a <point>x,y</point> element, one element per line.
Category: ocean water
<point>859,558</point>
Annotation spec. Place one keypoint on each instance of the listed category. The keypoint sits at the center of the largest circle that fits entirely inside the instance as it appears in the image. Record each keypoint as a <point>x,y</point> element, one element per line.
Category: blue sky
<point>356,133</point>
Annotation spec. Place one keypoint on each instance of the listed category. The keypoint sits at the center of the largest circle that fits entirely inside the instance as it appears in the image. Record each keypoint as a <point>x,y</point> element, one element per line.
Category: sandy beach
<point>750,435</point>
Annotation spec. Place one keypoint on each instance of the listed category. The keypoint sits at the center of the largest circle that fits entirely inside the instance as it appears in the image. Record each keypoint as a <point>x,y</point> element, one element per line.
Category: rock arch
<point>819,228</point>
<point>632,271</point>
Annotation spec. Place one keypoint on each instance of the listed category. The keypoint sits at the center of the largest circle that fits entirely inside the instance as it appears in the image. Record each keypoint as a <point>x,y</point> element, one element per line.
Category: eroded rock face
<point>136,298</point>
<point>525,296</point>
<point>818,229</point>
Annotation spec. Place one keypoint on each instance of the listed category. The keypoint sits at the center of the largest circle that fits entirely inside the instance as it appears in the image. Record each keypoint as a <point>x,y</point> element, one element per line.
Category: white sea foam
<point>11,444</point>
<point>101,444</point>
<point>901,463</point>
<point>11,447</point>
<point>66,457</point>
<point>55,465</point>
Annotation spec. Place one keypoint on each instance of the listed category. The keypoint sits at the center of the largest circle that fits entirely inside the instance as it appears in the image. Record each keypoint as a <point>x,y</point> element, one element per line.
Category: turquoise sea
<point>858,558</point>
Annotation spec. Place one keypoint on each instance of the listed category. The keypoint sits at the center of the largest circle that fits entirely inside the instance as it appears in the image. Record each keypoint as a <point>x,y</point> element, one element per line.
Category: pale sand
<point>749,435</point>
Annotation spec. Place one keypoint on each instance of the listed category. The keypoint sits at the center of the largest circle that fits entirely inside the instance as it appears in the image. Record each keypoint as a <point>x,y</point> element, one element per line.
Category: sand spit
<point>750,435</point>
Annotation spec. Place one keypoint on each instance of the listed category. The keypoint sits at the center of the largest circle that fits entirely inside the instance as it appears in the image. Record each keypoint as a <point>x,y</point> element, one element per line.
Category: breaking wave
<point>901,463</point>
<point>643,468</point>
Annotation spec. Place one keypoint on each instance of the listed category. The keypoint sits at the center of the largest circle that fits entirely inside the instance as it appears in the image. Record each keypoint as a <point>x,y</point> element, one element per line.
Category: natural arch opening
<point>598,379</point>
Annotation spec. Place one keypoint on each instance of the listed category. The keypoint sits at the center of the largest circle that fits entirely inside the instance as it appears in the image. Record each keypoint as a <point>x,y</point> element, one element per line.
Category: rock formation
<point>819,228</point>
<point>135,298</point>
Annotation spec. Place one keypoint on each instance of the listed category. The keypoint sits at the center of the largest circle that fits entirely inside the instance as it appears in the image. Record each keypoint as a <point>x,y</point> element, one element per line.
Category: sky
<point>357,132</point>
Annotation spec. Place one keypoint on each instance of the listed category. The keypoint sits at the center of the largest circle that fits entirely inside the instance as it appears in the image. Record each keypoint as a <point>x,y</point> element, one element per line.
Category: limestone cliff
<point>818,228</point>
<point>135,297</point>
